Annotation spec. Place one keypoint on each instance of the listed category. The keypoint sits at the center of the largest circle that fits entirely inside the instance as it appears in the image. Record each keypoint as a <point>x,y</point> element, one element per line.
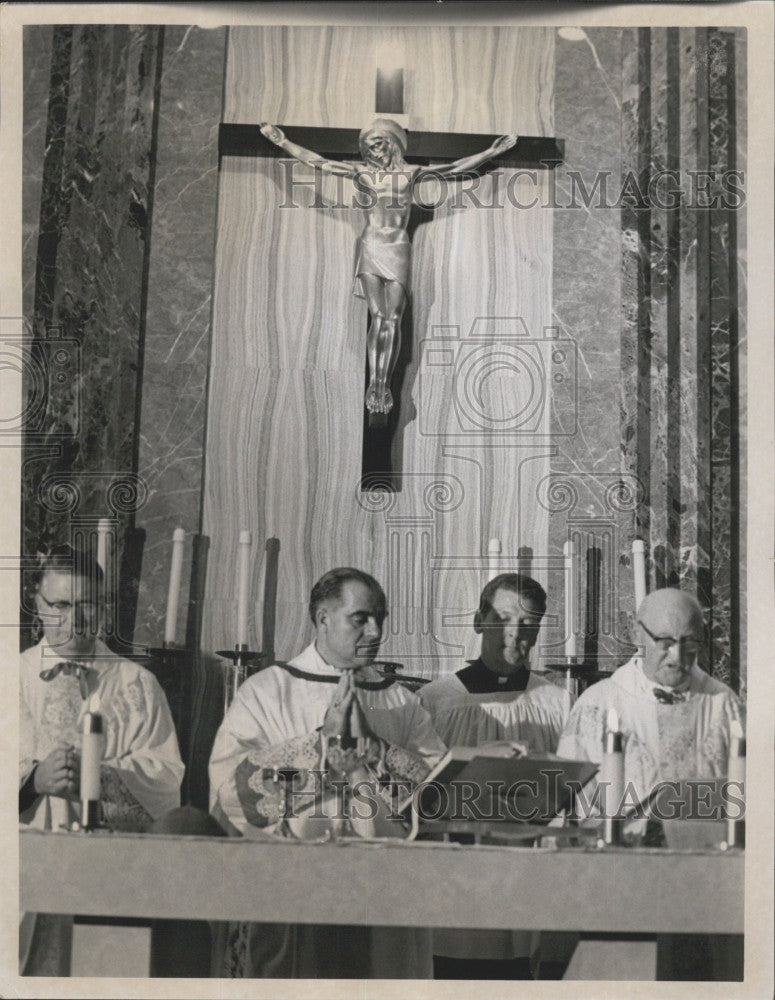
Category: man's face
<point>509,631</point>
<point>377,150</point>
<point>349,630</point>
<point>69,615</point>
<point>671,637</point>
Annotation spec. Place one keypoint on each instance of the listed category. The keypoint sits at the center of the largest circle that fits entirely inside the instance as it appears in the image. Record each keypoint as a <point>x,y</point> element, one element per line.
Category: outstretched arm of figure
<point>501,144</point>
<point>277,136</point>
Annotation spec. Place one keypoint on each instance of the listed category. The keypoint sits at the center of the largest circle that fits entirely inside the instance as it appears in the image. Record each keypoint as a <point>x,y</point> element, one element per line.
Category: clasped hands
<point>59,773</point>
<point>350,741</point>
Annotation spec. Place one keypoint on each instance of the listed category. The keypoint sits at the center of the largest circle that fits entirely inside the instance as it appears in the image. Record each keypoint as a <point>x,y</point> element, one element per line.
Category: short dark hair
<point>520,584</point>
<point>70,559</point>
<point>329,587</point>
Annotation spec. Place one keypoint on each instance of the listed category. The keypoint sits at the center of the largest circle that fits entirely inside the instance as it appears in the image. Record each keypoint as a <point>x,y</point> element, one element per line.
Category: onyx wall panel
<point>287,375</point>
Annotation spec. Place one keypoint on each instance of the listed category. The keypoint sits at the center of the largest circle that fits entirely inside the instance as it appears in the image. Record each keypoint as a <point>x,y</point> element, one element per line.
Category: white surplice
<point>662,742</point>
<point>534,716</point>
<point>141,767</point>
<point>274,721</point>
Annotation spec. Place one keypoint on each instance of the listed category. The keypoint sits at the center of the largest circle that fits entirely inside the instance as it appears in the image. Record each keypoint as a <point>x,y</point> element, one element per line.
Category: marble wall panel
<point>287,377</point>
<point>177,321</point>
<point>455,78</point>
<point>680,308</point>
<point>725,365</point>
<point>658,264</point>
<point>692,449</point>
<point>588,294</point>
<point>95,207</point>
<point>740,262</point>
<point>37,40</point>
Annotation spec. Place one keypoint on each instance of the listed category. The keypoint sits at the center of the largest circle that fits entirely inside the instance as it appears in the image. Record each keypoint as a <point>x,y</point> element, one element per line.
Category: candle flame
<point>612,721</point>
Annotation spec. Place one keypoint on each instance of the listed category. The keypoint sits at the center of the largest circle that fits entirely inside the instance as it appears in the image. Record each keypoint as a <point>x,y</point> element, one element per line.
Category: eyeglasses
<point>665,642</point>
<point>66,607</point>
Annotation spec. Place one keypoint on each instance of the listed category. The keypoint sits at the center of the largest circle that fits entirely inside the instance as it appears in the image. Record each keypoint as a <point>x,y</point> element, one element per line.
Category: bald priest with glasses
<point>675,719</point>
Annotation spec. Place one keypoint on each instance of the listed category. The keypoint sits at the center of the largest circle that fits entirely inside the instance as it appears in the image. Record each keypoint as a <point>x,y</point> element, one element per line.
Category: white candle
<point>243,586</point>
<point>569,551</point>
<point>639,571</point>
<point>173,594</point>
<point>736,762</point>
<point>611,777</point>
<point>493,557</point>
<point>91,759</point>
<point>736,774</point>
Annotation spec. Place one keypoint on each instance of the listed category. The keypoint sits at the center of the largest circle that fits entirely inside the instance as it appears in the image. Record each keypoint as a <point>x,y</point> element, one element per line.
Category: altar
<point>626,892</point>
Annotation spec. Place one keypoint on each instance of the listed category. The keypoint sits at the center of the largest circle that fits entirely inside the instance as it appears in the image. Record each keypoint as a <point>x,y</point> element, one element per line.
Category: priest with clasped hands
<point>309,749</point>
<point>71,672</point>
<point>68,673</point>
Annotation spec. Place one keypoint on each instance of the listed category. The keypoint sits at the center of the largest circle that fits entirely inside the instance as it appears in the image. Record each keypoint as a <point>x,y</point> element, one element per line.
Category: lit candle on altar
<point>173,594</point>
<point>569,551</point>
<point>493,557</point>
<point>243,586</point>
<point>91,759</point>
<point>639,571</point>
<point>736,774</point>
<point>611,777</point>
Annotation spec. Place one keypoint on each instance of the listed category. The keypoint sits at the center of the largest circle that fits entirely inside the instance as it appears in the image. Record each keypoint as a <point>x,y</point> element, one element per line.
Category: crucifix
<point>391,165</point>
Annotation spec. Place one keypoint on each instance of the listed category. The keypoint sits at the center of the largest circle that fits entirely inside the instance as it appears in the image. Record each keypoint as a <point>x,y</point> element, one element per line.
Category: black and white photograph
<point>387,455</point>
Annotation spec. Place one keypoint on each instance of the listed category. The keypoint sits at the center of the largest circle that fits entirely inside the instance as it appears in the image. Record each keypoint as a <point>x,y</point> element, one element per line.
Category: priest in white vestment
<point>495,698</point>
<point>328,711</point>
<point>675,719</point>
<point>68,673</point>
<point>675,722</point>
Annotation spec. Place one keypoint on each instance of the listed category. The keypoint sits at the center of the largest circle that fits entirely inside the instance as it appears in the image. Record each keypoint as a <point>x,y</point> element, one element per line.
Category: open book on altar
<point>470,783</point>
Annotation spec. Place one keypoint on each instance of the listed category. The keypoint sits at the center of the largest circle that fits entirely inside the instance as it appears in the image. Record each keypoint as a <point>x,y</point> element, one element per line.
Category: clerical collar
<point>477,678</point>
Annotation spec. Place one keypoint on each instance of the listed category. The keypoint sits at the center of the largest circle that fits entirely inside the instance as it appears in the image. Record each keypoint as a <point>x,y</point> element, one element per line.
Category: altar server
<point>674,718</point>
<point>496,698</point>
<point>328,711</point>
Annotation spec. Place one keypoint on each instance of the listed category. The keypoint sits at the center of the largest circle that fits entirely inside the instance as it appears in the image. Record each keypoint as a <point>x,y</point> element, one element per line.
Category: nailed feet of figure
<point>379,399</point>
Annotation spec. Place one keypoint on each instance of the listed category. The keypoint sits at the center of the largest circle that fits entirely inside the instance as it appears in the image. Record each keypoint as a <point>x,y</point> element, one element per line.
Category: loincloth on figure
<point>385,252</point>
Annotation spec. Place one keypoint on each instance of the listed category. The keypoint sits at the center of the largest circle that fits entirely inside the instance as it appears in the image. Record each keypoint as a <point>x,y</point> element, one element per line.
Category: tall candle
<point>493,557</point>
<point>243,586</point>
<point>91,759</point>
<point>611,777</point>
<point>173,594</point>
<point>639,571</point>
<point>569,551</point>
<point>736,774</point>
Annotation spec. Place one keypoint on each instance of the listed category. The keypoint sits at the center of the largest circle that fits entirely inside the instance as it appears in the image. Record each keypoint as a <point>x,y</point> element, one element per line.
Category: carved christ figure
<point>383,264</point>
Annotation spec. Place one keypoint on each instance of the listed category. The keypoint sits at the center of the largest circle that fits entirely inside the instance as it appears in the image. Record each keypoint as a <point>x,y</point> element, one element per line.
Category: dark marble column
<point>90,282</point>
<point>37,81</point>
<point>724,364</point>
<point>680,342</point>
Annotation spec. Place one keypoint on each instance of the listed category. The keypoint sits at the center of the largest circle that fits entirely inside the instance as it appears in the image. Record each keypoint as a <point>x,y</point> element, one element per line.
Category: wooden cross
<point>531,151</point>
